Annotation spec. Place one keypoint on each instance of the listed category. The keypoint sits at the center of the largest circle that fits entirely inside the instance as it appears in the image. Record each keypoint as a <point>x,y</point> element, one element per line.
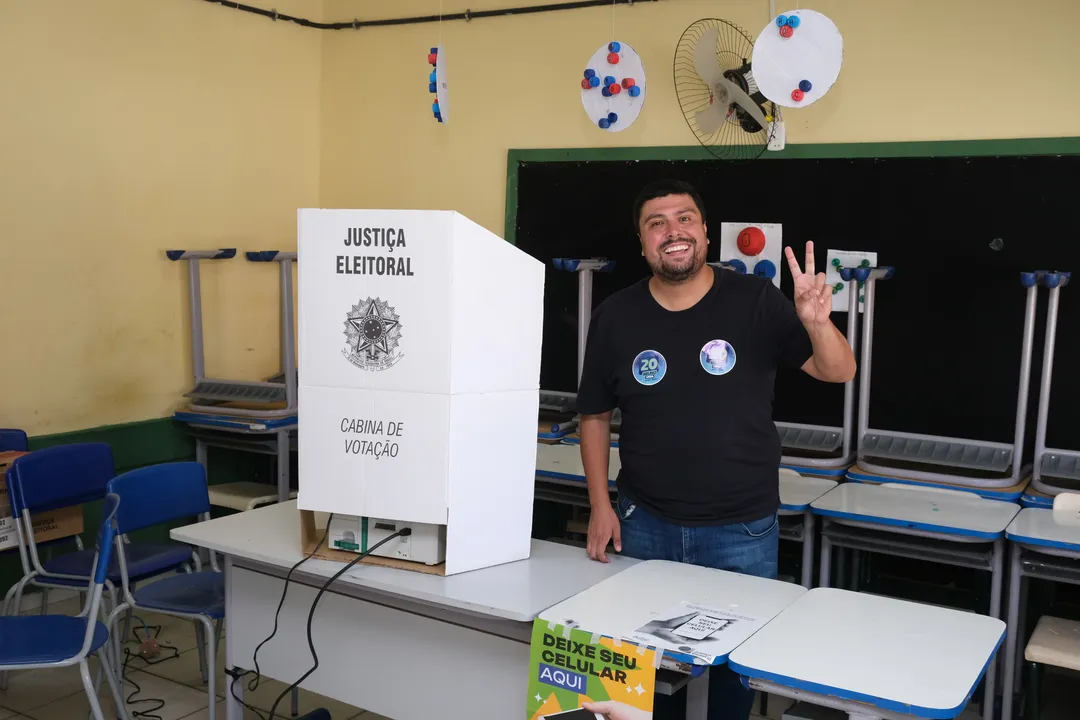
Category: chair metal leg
<point>210,633</point>
<point>114,687</point>
<point>88,685</point>
<point>114,639</point>
<point>1031,707</point>
<point>97,683</point>
<point>44,600</point>
<point>294,701</point>
<point>127,617</point>
<point>200,643</point>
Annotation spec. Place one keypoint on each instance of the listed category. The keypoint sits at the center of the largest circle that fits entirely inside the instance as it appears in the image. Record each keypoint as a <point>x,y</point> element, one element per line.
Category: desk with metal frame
<point>871,656</point>
<point>467,635</point>
<point>275,437</point>
<point>1045,548</point>
<point>950,527</point>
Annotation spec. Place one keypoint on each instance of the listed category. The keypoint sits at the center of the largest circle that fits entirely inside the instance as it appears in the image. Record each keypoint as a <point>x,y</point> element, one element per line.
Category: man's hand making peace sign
<point>813,298</point>
<point>832,360</point>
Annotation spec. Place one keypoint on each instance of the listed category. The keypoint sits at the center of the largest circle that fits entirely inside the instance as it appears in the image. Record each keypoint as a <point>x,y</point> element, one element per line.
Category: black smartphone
<point>575,714</point>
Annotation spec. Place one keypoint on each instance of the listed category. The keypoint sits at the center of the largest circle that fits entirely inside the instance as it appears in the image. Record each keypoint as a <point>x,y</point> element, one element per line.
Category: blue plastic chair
<point>152,496</point>
<point>13,439</point>
<point>59,477</point>
<point>53,641</point>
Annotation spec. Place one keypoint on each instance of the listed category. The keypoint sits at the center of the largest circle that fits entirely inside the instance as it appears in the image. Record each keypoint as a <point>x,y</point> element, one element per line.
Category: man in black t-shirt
<point>689,356</point>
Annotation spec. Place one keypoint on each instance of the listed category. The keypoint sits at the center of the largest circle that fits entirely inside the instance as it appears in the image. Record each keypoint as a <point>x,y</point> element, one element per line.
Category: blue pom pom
<point>805,86</point>
<point>781,20</point>
<point>604,123</point>
<point>612,117</point>
<point>434,50</point>
<point>594,81</point>
<point>431,77</point>
<point>605,92</point>
<point>634,91</point>
<point>793,21</point>
<point>590,73</point>
<point>614,47</point>
<point>431,88</point>
<point>609,80</point>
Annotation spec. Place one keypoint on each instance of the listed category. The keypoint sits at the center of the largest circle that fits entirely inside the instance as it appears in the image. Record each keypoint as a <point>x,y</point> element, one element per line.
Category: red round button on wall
<point>751,241</point>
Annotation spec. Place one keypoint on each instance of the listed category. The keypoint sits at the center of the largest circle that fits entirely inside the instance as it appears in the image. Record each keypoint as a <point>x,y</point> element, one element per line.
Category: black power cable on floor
<point>254,684</point>
<point>125,678</point>
<point>403,532</point>
<point>467,15</point>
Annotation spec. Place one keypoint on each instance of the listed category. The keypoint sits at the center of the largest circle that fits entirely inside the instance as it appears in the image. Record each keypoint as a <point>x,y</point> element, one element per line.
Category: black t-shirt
<point>697,445</point>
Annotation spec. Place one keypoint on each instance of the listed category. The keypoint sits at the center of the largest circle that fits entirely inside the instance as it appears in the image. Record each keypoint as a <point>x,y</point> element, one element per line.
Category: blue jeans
<point>750,548</point>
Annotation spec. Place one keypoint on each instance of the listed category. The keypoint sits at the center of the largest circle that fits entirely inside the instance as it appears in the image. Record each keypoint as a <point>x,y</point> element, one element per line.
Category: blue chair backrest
<point>13,439</point>
<point>60,476</point>
<point>159,493</point>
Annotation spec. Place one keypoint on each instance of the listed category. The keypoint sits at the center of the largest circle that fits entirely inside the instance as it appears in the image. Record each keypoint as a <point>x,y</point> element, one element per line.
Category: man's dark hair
<point>662,188</point>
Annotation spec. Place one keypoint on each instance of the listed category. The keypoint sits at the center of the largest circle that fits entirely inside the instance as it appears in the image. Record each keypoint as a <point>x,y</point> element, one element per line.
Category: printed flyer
<point>702,632</point>
<point>573,678</point>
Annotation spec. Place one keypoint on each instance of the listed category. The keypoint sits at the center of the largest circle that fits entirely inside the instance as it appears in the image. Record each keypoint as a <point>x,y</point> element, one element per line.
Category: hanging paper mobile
<point>797,58</point>
<point>613,87</point>
<point>437,84</point>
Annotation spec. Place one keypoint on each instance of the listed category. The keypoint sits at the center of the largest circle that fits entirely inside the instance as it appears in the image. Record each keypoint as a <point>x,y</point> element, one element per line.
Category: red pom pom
<point>797,95</point>
<point>614,88</point>
<point>431,58</point>
<point>786,31</point>
<point>628,83</point>
<point>585,84</point>
<point>613,58</point>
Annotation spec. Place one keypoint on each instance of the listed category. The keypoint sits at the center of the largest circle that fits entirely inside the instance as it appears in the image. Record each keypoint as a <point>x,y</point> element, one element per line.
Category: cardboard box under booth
<point>419,388</point>
<point>52,525</point>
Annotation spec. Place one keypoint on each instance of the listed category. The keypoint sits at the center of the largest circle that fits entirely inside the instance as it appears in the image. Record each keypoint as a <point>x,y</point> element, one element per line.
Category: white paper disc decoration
<point>438,85</point>
<point>615,105</point>
<point>797,58</point>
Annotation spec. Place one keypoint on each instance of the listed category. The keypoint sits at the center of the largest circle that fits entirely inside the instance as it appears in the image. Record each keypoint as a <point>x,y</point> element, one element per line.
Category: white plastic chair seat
<point>1055,642</point>
<point>243,495</point>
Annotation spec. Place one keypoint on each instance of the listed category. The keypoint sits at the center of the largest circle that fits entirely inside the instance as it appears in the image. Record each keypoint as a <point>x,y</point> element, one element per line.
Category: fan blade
<point>711,118</point>
<point>740,98</point>
<point>705,61</point>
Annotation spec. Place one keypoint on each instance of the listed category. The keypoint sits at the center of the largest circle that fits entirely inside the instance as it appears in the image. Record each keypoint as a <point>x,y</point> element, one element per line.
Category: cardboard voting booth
<point>419,382</point>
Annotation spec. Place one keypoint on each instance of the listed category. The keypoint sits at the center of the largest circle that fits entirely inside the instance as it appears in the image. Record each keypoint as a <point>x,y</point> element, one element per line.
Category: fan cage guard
<point>734,48</point>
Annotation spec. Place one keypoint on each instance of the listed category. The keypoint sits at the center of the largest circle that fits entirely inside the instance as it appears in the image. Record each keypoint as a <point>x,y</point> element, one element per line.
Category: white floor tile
<point>179,701</point>
<point>30,689</point>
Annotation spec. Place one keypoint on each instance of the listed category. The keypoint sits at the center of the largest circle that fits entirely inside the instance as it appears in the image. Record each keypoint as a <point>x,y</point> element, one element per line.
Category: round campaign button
<point>717,357</point>
<point>649,367</point>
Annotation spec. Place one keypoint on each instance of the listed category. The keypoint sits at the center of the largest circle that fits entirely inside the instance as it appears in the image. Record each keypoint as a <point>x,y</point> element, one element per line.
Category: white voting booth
<point>419,377</point>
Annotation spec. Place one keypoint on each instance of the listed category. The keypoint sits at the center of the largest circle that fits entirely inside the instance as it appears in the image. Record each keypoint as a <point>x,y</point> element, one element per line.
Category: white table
<point>941,526</point>
<point>654,591</point>
<point>871,656</point>
<point>1054,545</point>
<point>796,493</point>
<point>377,629</point>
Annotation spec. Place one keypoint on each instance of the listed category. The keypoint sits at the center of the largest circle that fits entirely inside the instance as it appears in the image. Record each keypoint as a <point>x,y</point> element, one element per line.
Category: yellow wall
<point>913,69</point>
<point>129,127</point>
<point>132,126</point>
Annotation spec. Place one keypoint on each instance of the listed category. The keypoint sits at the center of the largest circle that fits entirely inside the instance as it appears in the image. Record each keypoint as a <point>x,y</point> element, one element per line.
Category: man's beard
<point>681,273</point>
